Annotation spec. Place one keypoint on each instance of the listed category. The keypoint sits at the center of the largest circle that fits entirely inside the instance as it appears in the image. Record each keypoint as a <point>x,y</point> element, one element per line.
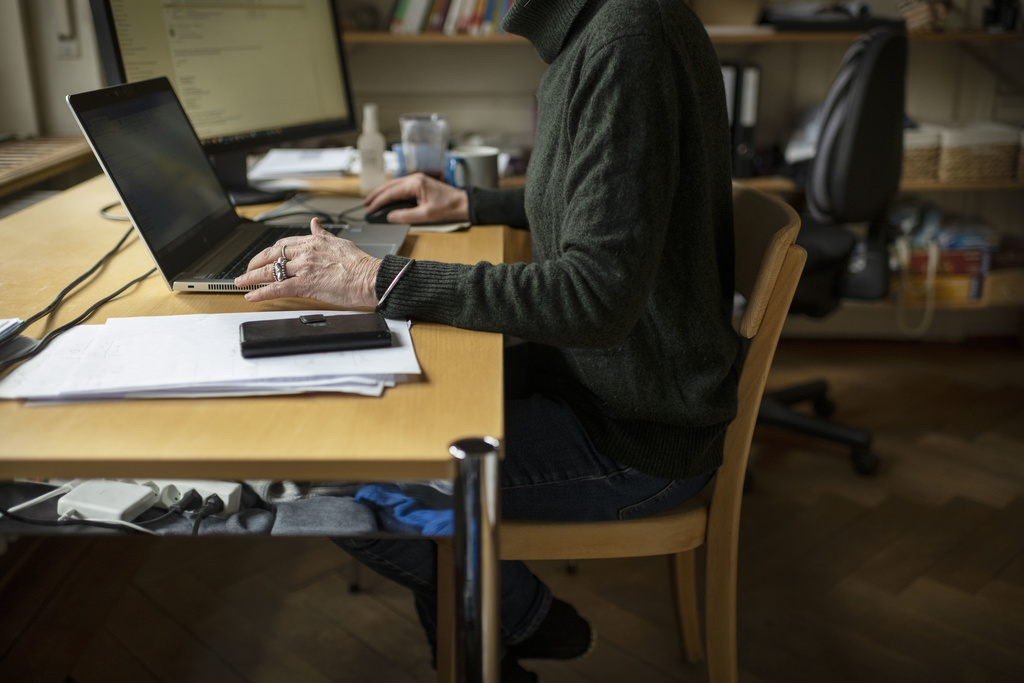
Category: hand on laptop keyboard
<point>316,266</point>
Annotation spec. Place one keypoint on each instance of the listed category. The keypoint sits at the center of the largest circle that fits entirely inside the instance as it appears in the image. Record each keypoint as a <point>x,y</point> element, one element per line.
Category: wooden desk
<point>404,435</point>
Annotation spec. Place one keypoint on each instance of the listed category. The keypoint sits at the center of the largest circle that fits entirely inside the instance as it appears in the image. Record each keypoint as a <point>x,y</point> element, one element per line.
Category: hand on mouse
<point>318,266</point>
<point>437,202</point>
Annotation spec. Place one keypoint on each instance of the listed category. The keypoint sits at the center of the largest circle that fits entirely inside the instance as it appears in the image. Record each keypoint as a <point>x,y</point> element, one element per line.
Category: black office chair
<point>853,179</point>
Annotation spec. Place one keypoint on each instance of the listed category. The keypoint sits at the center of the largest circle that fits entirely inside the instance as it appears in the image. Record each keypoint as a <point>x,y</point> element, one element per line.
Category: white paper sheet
<point>190,355</point>
<point>284,163</point>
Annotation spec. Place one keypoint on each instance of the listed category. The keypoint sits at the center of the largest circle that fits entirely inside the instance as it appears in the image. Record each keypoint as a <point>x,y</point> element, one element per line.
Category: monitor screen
<point>250,74</point>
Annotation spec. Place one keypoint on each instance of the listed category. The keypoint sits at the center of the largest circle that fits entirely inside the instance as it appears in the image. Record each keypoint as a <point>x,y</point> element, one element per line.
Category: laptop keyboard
<point>237,267</point>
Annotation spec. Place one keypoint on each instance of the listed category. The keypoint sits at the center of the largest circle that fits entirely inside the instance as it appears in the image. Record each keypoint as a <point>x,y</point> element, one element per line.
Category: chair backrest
<point>856,170</point>
<point>768,267</point>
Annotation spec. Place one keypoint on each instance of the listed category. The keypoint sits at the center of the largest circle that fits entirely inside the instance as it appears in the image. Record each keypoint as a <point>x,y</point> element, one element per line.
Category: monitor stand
<point>232,170</point>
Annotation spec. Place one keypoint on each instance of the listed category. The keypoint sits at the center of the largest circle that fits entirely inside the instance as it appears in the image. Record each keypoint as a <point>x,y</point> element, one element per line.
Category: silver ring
<point>284,252</point>
<point>279,273</point>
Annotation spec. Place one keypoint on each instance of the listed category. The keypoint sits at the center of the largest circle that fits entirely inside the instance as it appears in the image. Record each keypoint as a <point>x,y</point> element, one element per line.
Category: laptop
<point>149,151</point>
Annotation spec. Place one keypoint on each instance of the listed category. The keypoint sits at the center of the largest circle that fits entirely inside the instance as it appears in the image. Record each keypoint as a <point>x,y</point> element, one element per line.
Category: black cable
<point>211,506</point>
<point>187,502</point>
<point>326,217</point>
<point>64,292</point>
<point>62,522</point>
<point>305,200</point>
<point>63,328</point>
<point>105,213</point>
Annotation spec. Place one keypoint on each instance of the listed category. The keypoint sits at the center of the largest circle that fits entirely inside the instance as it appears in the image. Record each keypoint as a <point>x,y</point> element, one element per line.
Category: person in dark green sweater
<point>631,357</point>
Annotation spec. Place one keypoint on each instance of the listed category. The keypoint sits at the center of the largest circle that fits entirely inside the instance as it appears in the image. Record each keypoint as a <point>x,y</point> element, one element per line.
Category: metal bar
<point>475,557</point>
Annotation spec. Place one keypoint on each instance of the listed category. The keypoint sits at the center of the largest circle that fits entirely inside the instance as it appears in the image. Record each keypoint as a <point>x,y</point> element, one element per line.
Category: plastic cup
<point>425,143</point>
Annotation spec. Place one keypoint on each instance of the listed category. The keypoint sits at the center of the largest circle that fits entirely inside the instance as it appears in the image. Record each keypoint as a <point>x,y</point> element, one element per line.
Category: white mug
<point>474,165</point>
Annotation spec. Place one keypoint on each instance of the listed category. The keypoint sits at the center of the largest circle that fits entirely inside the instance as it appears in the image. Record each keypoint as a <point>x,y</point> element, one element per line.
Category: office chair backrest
<point>856,171</point>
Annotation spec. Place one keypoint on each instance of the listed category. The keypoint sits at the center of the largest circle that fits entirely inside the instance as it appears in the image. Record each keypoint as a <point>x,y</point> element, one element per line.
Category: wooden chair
<point>768,266</point>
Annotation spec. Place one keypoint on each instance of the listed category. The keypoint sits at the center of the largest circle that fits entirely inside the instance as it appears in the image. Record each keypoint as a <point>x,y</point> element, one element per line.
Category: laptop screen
<point>150,153</point>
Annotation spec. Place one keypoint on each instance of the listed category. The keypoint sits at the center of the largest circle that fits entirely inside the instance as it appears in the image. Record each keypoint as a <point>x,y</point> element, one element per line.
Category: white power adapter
<point>170,491</point>
<point>107,499</point>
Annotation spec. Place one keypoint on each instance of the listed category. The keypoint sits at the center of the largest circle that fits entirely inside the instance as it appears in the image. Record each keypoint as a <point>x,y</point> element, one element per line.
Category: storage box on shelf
<point>923,16</point>
<point>983,150</point>
<point>921,147</point>
<point>1020,159</point>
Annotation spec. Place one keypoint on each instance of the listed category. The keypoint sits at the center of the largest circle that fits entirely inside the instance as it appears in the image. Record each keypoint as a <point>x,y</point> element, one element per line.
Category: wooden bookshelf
<point>958,186</point>
<point>719,34</point>
<point>758,34</point>
<point>780,184</point>
<point>26,162</point>
<point>384,38</point>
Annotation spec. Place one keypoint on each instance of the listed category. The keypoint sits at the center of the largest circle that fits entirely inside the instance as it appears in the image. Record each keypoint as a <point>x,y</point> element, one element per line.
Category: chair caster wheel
<point>864,461</point>
<point>824,408</point>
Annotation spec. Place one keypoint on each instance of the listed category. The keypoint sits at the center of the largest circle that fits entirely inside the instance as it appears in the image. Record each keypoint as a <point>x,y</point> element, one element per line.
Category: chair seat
<point>679,529</point>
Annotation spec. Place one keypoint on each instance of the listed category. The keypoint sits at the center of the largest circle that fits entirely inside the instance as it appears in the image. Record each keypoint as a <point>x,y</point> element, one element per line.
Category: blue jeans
<point>551,471</point>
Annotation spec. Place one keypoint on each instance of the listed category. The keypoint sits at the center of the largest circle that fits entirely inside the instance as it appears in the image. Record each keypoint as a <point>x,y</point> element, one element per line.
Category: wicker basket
<point>1020,160</point>
<point>923,16</point>
<point>979,151</point>
<point>921,148</point>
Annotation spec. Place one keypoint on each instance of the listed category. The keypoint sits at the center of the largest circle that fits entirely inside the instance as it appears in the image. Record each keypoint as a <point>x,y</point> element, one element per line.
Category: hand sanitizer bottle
<point>371,151</point>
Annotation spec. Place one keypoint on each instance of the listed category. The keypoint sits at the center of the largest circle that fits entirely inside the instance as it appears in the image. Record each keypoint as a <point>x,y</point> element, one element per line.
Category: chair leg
<point>720,613</point>
<point>683,567</point>
<point>445,614</point>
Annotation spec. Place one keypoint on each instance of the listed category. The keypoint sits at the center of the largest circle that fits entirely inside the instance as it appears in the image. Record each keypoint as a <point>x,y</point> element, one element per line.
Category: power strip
<point>169,491</point>
<point>107,499</point>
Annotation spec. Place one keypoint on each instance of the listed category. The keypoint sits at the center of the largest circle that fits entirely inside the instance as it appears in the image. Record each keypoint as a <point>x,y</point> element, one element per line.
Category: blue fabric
<point>552,471</point>
<point>399,512</point>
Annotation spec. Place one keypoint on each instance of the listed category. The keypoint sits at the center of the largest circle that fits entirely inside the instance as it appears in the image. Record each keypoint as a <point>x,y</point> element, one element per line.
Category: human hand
<point>437,202</point>
<point>318,266</point>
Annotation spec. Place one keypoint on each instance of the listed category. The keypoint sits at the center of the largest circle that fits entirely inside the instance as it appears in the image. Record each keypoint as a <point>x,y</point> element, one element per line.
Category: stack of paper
<point>198,356</point>
<point>283,163</point>
<point>311,163</point>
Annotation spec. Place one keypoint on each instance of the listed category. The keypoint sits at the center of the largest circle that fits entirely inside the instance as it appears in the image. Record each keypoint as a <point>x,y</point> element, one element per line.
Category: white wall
<point>17,97</point>
<point>60,67</point>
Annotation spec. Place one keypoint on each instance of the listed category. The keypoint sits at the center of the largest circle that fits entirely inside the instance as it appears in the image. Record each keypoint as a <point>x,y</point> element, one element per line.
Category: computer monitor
<point>249,73</point>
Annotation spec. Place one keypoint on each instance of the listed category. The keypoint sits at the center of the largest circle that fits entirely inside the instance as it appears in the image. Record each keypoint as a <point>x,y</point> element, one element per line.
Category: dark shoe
<point>563,634</point>
<point>511,672</point>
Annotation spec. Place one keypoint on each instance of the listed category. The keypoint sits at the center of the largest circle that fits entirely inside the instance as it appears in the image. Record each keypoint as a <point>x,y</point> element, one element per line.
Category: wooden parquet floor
<point>913,575</point>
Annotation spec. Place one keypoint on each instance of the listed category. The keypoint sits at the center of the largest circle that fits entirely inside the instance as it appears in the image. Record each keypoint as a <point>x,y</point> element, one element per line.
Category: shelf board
<point>384,38</point>
<point>26,162</point>
<point>780,184</point>
<point>769,184</point>
<point>938,186</point>
<point>719,34</point>
<point>739,34</point>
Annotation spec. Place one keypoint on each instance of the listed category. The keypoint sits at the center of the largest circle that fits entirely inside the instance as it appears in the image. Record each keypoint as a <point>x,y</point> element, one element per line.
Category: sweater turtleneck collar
<point>545,23</point>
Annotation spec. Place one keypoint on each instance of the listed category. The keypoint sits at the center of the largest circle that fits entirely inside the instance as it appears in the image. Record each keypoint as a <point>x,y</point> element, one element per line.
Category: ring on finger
<point>279,272</point>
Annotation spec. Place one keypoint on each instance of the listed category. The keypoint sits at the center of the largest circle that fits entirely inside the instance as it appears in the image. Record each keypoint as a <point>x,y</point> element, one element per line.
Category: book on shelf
<point>466,18</point>
<point>450,17</point>
<point>437,14</point>
<point>397,12</point>
<point>951,262</point>
<point>408,17</point>
<point>746,103</point>
<point>947,289</point>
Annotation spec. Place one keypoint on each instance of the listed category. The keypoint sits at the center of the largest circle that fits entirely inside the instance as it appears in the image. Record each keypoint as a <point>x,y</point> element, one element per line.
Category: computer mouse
<point>381,214</point>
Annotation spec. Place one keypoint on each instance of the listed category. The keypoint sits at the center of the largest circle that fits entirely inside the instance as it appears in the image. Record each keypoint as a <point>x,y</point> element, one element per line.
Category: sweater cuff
<point>497,207</point>
<point>390,266</point>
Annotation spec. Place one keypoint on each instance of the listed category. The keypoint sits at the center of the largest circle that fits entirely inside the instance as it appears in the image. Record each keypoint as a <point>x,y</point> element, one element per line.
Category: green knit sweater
<point>628,198</point>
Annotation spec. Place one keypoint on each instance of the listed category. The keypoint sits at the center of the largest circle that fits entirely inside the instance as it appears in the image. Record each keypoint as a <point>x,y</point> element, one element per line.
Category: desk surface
<point>405,434</point>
